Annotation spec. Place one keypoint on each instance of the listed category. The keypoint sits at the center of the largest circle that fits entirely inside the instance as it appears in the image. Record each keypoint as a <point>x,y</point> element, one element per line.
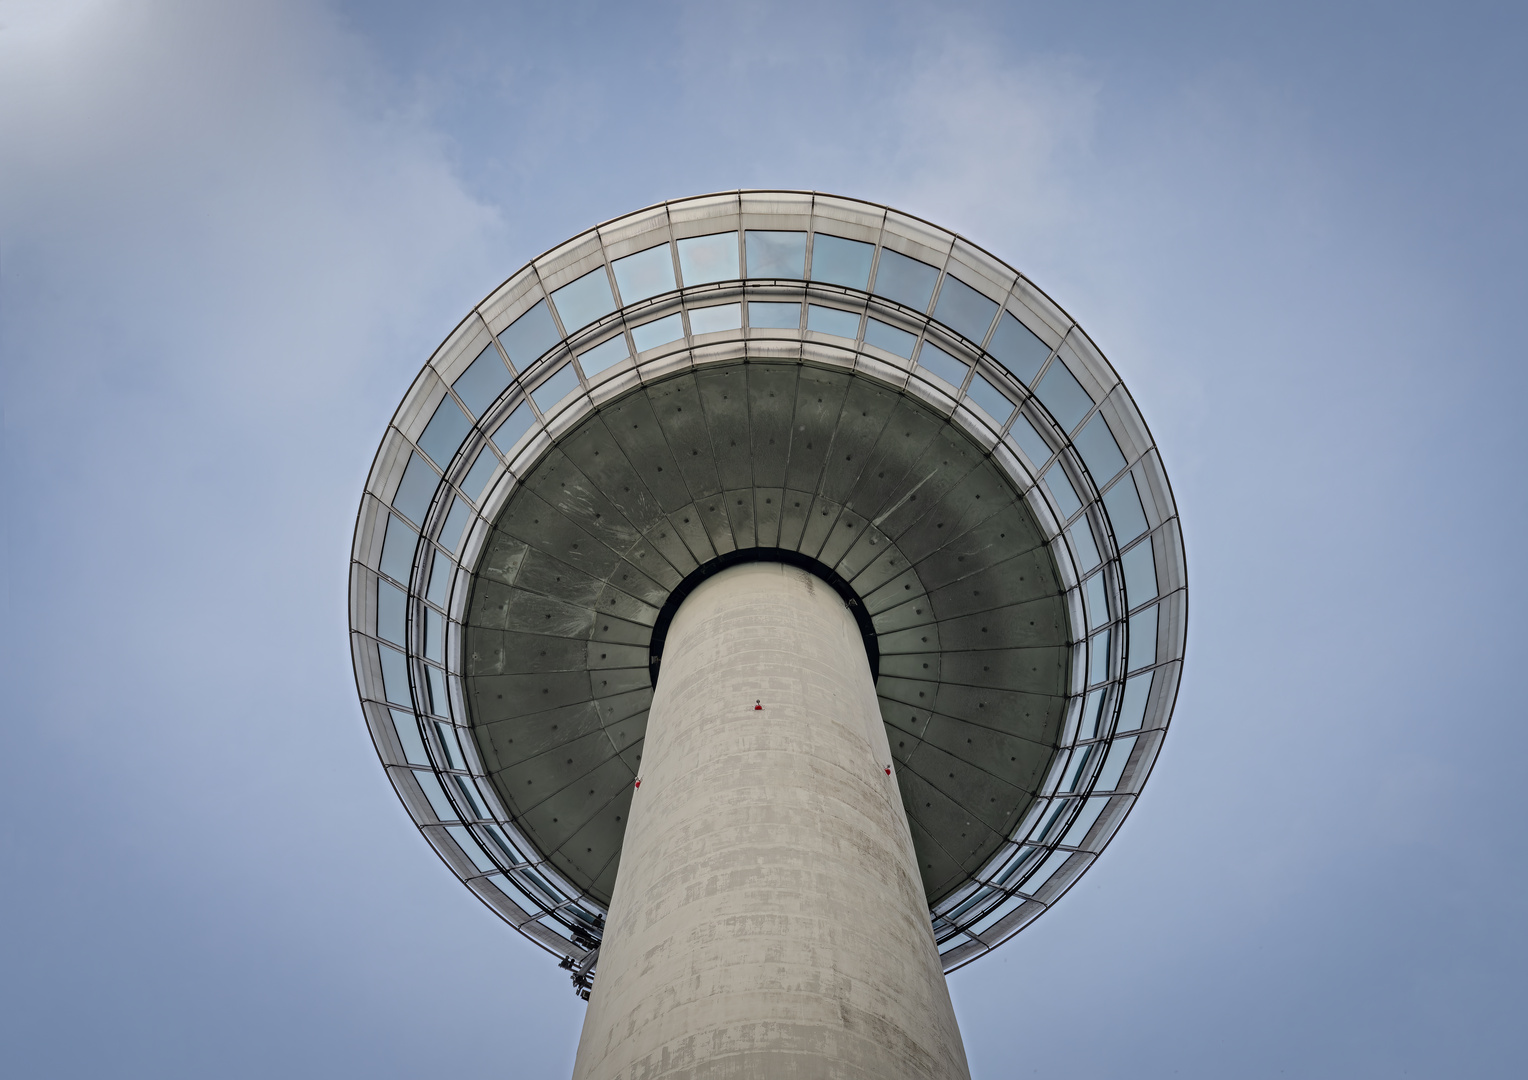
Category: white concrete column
<point>768,919</point>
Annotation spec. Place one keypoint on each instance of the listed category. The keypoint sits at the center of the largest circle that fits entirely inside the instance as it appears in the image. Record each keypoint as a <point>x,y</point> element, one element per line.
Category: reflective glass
<point>996,915</point>
<point>1015,346</point>
<point>408,737</point>
<point>1027,439</point>
<point>445,736</point>
<point>1114,764</point>
<point>471,848</point>
<point>514,427</point>
<point>907,281</point>
<point>658,332</point>
<point>1018,864</point>
<point>475,483</point>
<point>1046,871</point>
<point>398,549</point>
<point>1125,513</point>
<point>440,580</point>
<point>1098,658</point>
<point>1140,573</point>
<point>841,262</point>
<point>455,528</point>
<point>715,319</point>
<point>470,797</point>
<point>989,399</point>
<point>436,795</point>
<point>1064,396</point>
<point>934,359</point>
<point>435,679</point>
<point>553,390</point>
<point>1132,709</point>
<point>434,636</point>
<point>482,383</point>
<point>1092,708</point>
<point>889,338</point>
<point>1143,639</point>
<point>708,258</point>
<point>419,482</point>
<point>391,613</point>
<point>767,316</point>
<point>1082,541</point>
<point>775,254</point>
<point>1100,453</point>
<point>604,355</point>
<point>964,310</point>
<point>1061,490</point>
<point>529,336</point>
<point>510,853</point>
<point>1097,599</point>
<point>444,433</point>
<point>826,320</point>
<point>395,676</point>
<point>1077,768</point>
<point>647,273</point>
<point>584,299</point>
<point>1085,821</point>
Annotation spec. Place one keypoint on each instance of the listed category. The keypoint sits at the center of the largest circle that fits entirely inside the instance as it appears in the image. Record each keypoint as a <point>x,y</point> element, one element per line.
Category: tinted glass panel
<point>1125,513</point>
<point>1096,598</point>
<point>1143,639</point>
<point>989,399</point>
<point>585,299</point>
<point>435,680</point>
<point>826,320</point>
<point>481,384</point>
<point>529,336</point>
<point>658,332</point>
<point>717,318</point>
<point>456,526</point>
<point>1133,705</point>
<point>907,281</point>
<point>419,482</point>
<point>647,273</point>
<point>391,613</point>
<point>1027,439</point>
<point>1140,573</point>
<point>436,796</point>
<point>944,365</point>
<point>1046,871</point>
<point>475,483</point>
<point>1061,489</point>
<point>1087,728</point>
<point>1082,541</point>
<point>514,427</point>
<point>395,675</point>
<point>471,848</point>
<point>435,636</point>
<point>1114,764</point>
<point>899,342</point>
<point>555,389</point>
<point>398,550</point>
<point>841,262</point>
<point>408,737</point>
<point>964,310</point>
<point>1064,396</point>
<point>775,254</point>
<point>1085,821</point>
<point>444,433</point>
<point>440,580</point>
<point>708,258</point>
<point>774,316</point>
<point>1098,658</point>
<point>603,355</point>
<point>1015,346</point>
<point>1095,442</point>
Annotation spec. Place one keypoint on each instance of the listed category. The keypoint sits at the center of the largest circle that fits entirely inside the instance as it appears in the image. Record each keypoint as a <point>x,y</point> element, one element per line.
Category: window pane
<point>435,680</point>
<point>408,737</point>
<point>708,258</point>
<point>647,273</point>
<point>1026,438</point>
<point>553,390</point>
<point>989,398</point>
<point>1085,821</point>
<point>1061,490</point>
<point>934,359</point>
<point>395,676</point>
<point>444,433</point>
<point>1143,639</point>
<point>1047,869</point>
<point>1015,346</point>
<point>481,384</point>
<point>398,550</point>
<point>475,483</point>
<point>774,316</point>
<point>436,795</point>
<point>445,735</point>
<point>529,336</point>
<point>1096,598</point>
<point>1095,442</point>
<point>899,342</point>
<point>412,499</point>
<point>391,613</point>
<point>1133,706</point>
<point>1098,658</point>
<point>585,299</point>
<point>1082,540</point>
<point>1114,764</point>
<point>455,528</point>
<point>964,310</point>
<point>604,355</point>
<point>907,281</point>
<point>1064,396</point>
<point>1140,573</point>
<point>434,636</point>
<point>471,848</point>
<point>775,254</point>
<point>1124,506</point>
<point>826,320</point>
<point>715,319</point>
<point>439,589</point>
<point>658,332</point>
<point>514,427</point>
<point>1087,728</point>
<point>841,262</point>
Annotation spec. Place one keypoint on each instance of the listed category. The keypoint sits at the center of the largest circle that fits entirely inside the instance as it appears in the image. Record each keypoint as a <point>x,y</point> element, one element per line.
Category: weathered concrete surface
<point>768,920</point>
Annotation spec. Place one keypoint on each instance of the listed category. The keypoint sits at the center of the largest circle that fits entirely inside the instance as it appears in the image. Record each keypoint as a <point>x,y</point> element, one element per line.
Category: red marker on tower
<point>756,706</point>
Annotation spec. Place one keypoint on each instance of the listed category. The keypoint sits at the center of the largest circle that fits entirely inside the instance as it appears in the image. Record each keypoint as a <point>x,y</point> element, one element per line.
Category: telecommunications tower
<point>768,602</point>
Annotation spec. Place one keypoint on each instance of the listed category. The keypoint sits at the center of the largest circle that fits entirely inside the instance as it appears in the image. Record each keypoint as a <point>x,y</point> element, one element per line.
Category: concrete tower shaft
<point>769,919</point>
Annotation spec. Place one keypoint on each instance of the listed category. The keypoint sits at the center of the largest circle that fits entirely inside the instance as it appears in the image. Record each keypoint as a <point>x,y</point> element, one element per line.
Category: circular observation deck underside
<point>967,605</point>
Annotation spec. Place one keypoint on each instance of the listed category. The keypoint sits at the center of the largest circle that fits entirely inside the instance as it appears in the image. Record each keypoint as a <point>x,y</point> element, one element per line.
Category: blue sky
<point>230,234</point>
